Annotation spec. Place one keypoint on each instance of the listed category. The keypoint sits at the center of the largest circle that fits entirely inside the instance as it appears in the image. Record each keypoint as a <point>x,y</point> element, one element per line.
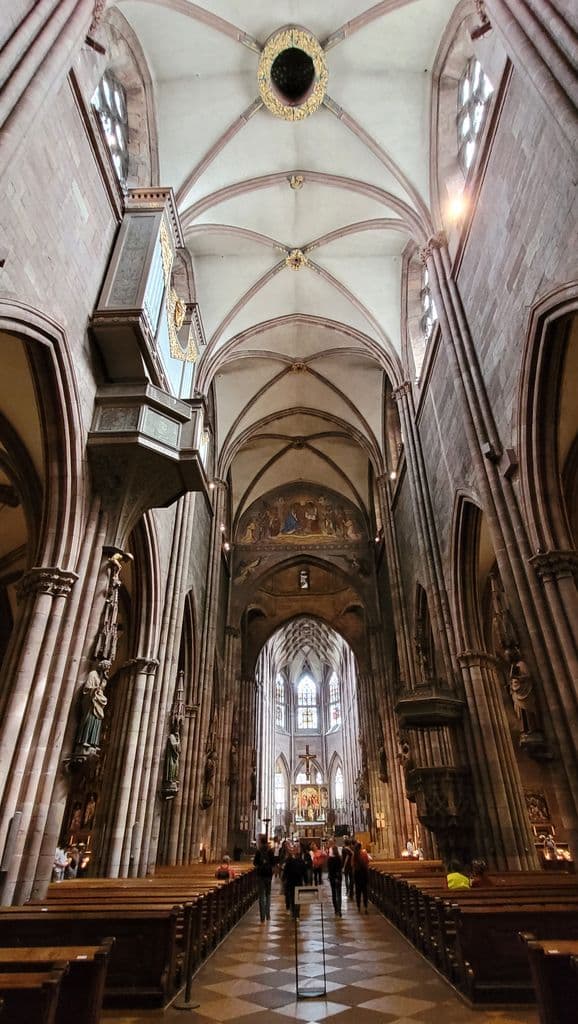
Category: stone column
<point>426,531</point>
<point>401,625</point>
<point>196,819</point>
<point>35,61</point>
<point>32,696</point>
<point>508,844</point>
<point>552,650</point>
<point>542,45</point>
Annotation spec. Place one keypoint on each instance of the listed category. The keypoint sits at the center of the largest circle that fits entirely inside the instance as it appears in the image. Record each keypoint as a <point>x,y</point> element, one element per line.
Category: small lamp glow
<point>211,486</point>
<point>222,527</point>
<point>457,207</point>
<point>227,546</point>
<point>393,475</point>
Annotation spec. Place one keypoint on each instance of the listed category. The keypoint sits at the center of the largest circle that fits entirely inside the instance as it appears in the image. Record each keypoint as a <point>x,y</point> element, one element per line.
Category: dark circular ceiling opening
<point>292,74</point>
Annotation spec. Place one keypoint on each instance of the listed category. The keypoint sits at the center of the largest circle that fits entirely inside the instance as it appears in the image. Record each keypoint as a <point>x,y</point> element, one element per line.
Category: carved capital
<point>402,391</point>
<point>145,666</point>
<point>555,565</point>
<point>46,580</point>
<point>435,242</point>
<point>477,659</point>
<point>233,632</point>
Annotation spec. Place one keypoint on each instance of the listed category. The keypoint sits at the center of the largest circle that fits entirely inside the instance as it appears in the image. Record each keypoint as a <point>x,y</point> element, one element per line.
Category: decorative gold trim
<point>176,312</point>
<point>285,39</point>
<point>167,254</point>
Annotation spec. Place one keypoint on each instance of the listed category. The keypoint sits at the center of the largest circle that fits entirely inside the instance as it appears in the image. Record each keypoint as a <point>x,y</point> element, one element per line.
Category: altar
<point>309,803</point>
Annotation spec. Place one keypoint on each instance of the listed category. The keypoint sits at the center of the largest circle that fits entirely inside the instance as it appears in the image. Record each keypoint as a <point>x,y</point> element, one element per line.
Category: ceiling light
<point>457,207</point>
<point>393,475</point>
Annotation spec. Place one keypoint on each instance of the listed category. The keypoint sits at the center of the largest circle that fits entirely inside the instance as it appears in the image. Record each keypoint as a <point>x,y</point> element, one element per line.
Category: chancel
<point>288,504</point>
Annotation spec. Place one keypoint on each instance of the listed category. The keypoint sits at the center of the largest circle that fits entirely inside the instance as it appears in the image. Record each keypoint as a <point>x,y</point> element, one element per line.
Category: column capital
<point>438,241</point>
<point>218,485</point>
<point>555,565</point>
<point>477,659</point>
<point>402,391</point>
<point>145,666</point>
<point>233,632</point>
<point>46,580</point>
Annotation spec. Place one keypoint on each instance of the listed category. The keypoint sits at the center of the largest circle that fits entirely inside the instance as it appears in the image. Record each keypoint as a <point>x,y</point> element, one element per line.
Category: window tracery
<point>429,316</point>
<point>474,92</point>
<point>334,702</point>
<point>339,788</point>
<point>307,713</point>
<point>109,101</point>
<point>280,789</point>
<point>280,702</point>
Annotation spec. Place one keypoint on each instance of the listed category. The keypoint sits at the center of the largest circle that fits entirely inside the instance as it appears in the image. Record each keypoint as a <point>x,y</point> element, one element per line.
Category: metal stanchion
<point>308,896</point>
<point>187,1003</point>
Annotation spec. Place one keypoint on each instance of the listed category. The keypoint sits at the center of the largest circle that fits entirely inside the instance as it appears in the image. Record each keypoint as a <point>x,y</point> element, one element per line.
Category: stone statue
<point>234,759</point>
<point>253,786</point>
<point>361,787</point>
<point>172,758</point>
<point>92,704</point>
<point>383,766</point>
<point>108,633</point>
<point>522,694</point>
<point>209,778</point>
<point>503,625</point>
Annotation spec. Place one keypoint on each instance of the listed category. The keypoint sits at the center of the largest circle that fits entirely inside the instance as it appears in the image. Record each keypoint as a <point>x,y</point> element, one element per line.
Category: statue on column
<point>107,638</point>
<point>208,794</point>
<point>522,694</point>
<point>93,701</point>
<point>234,759</point>
<point>172,761</point>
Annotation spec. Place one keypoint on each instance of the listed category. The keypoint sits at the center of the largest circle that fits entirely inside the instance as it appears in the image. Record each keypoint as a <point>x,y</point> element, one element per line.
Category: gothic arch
<point>549,358</point>
<point>61,522</point>
<point>127,61</point>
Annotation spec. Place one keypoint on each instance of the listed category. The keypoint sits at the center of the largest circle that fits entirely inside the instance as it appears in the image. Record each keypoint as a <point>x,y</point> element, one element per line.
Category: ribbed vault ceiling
<point>297,357</point>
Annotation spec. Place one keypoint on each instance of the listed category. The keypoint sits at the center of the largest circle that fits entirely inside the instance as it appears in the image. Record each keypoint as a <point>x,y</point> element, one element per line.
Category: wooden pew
<point>492,964</point>
<point>82,988</point>
<point>143,964</point>
<point>30,997</point>
<point>554,976</point>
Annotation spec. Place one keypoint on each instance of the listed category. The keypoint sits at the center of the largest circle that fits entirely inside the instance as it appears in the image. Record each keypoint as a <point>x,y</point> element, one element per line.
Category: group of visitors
<point>301,863</point>
<point>71,862</point>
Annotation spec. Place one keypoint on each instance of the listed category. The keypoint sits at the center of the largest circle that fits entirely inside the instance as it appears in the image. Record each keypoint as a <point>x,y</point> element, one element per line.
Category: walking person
<point>334,873</point>
<point>293,875</point>
<point>360,875</point>
<point>319,859</point>
<point>347,864</point>
<point>263,862</point>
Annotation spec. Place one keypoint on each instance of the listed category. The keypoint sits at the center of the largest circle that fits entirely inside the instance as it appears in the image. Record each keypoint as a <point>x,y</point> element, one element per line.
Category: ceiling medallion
<point>292,74</point>
<point>296,259</point>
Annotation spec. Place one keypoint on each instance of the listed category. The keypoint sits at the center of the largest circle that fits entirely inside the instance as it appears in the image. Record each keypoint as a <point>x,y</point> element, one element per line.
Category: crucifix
<point>308,758</point>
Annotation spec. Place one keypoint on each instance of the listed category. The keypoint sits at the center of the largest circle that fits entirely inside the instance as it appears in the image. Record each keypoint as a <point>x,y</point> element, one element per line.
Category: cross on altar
<point>308,758</point>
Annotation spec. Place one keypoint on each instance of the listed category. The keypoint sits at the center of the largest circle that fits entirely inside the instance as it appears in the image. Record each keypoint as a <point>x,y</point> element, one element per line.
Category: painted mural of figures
<point>300,513</point>
<point>92,704</point>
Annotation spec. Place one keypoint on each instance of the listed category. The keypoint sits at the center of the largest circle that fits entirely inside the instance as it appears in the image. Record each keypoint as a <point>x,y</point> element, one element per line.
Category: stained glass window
<point>280,791</point>
<point>339,787</point>
<point>109,101</point>
<point>307,717</point>
<point>280,702</point>
<point>474,92</point>
<point>334,702</point>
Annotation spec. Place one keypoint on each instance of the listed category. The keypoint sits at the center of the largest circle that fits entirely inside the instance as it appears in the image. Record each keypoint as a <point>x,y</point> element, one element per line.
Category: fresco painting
<point>300,515</point>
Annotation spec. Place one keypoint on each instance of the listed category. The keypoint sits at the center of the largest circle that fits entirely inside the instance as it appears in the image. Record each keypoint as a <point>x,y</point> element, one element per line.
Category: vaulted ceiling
<point>297,356</point>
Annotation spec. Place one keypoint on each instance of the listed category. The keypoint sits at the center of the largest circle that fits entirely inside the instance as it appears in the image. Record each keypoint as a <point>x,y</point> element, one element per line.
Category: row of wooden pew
<point>473,935</point>
<point>130,940</point>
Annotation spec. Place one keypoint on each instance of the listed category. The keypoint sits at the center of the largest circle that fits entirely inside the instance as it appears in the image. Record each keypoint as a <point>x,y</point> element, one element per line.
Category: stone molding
<point>402,391</point>
<point>438,241</point>
<point>477,659</point>
<point>46,580</point>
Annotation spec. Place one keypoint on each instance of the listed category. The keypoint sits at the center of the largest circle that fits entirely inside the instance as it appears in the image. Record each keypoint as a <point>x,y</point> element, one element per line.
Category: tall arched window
<point>474,92</point>
<point>339,789</point>
<point>429,314</point>
<point>280,702</point>
<point>109,101</point>
<point>307,717</point>
<point>280,788</point>
<point>334,702</point>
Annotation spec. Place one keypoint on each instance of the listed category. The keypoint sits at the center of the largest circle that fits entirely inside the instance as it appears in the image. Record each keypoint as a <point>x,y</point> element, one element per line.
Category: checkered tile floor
<point>373,976</point>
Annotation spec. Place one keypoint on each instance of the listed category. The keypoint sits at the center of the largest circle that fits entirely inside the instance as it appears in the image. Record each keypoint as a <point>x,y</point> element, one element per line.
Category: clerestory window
<point>109,101</point>
<point>474,92</point>
<point>429,314</point>
<point>307,714</point>
<point>334,702</point>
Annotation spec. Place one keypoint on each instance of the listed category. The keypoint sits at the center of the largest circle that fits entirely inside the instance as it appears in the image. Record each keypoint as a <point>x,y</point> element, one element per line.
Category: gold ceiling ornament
<point>176,310</point>
<point>296,181</point>
<point>292,38</point>
<point>296,259</point>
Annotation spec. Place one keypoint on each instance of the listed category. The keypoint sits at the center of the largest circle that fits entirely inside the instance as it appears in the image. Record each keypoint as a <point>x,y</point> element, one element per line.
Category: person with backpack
<point>264,862</point>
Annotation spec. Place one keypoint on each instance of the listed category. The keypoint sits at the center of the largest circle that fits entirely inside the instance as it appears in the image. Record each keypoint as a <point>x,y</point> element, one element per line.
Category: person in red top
<point>360,875</point>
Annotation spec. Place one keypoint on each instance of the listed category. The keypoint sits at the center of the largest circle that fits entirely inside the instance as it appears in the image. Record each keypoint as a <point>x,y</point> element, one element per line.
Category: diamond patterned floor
<point>373,977</point>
